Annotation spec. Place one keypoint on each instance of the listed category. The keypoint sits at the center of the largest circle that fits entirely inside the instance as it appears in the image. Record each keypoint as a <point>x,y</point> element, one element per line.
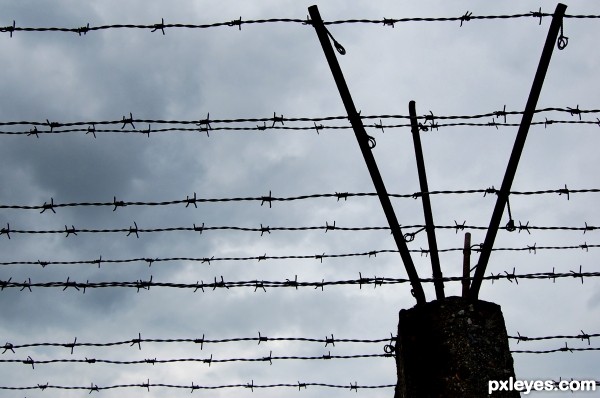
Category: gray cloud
<point>252,73</point>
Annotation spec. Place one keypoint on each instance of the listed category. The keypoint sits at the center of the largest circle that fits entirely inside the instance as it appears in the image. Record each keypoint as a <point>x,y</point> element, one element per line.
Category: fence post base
<point>452,348</point>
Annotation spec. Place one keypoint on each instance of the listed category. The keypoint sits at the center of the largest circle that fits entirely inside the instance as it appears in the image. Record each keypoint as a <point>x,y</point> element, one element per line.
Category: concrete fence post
<point>452,348</point>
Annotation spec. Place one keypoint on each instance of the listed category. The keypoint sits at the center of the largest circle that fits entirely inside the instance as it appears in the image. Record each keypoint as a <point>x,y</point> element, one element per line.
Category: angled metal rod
<point>429,225</point>
<point>363,142</point>
<point>513,162</point>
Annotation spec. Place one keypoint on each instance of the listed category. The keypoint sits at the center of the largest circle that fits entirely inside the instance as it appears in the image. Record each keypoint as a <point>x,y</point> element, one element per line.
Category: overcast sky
<point>251,73</point>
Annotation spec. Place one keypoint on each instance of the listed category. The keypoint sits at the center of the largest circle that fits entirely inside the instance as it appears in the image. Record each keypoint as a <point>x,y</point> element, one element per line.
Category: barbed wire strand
<point>318,128</point>
<point>147,385</point>
<point>258,284</point>
<point>212,360</point>
<point>51,206</point>
<point>327,341</point>
<point>207,123</point>
<point>156,27</point>
<point>198,341</point>
<point>409,237</point>
<point>207,260</point>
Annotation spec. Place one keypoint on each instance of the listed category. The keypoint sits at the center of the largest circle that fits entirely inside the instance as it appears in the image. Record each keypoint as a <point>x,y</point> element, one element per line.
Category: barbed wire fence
<point>208,126</point>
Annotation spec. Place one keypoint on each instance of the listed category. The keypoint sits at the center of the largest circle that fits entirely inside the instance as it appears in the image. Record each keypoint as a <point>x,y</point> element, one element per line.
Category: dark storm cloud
<point>254,72</point>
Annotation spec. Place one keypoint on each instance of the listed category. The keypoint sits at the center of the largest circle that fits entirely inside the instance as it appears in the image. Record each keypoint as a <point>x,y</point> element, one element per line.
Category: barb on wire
<point>127,121</point>
<point>160,26</point>
<point>465,17</point>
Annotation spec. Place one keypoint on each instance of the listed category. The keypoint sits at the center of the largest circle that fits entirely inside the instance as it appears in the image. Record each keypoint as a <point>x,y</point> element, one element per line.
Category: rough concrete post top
<point>452,348</point>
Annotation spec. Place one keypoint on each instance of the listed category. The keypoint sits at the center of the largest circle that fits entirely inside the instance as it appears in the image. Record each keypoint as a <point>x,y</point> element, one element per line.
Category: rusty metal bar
<point>429,225</point>
<point>513,162</point>
<point>363,142</point>
<point>466,265</point>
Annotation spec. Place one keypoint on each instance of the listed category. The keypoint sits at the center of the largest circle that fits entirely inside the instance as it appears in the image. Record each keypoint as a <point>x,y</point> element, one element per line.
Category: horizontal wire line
<point>260,339</point>
<point>562,349</point>
<point>192,387</point>
<point>152,361</point>
<point>281,119</point>
<point>262,284</point>
<point>115,204</point>
<point>267,229</point>
<point>95,388</point>
<point>138,341</point>
<point>207,260</point>
<point>30,361</point>
<point>288,128</point>
<point>582,336</point>
<point>239,22</point>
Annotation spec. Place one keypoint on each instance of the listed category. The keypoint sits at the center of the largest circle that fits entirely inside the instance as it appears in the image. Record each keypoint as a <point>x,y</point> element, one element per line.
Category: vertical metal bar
<point>363,142</point>
<point>513,162</point>
<point>466,265</point>
<point>429,225</point>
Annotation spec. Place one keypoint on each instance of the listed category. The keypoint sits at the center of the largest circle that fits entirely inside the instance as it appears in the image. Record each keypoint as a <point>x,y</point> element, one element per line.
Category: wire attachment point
<point>563,40</point>
<point>337,45</point>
